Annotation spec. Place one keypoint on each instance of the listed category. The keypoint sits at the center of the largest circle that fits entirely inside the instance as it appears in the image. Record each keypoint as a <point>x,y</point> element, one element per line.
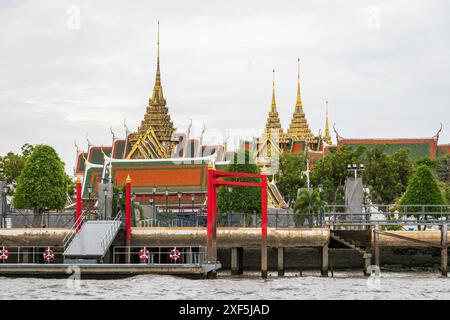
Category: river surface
<point>344,285</point>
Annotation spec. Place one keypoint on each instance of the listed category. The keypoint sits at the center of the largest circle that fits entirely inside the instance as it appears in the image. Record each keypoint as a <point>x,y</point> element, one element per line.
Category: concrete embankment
<point>302,246</point>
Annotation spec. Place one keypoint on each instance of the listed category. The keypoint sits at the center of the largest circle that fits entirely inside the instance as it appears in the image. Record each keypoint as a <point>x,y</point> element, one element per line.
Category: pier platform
<point>106,270</point>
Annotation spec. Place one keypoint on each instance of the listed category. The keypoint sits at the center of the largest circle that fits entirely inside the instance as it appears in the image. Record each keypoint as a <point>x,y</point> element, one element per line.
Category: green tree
<point>423,190</point>
<point>246,200</point>
<point>441,166</point>
<point>386,174</point>
<point>331,172</point>
<point>13,164</point>
<point>290,177</point>
<point>42,184</point>
<point>307,205</point>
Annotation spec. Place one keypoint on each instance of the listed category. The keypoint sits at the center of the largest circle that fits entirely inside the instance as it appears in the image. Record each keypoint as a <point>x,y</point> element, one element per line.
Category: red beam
<point>220,183</point>
<point>224,174</point>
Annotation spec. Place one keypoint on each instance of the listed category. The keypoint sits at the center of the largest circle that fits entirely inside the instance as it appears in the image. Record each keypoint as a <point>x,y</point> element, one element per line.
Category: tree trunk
<point>37,218</point>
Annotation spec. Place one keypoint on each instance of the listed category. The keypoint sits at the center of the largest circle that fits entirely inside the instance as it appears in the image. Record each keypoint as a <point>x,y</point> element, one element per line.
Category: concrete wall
<point>231,237</point>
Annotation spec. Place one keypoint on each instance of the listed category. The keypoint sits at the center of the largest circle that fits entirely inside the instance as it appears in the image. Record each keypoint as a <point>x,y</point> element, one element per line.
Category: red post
<point>209,225</point>
<point>264,226</point>
<point>78,207</point>
<point>128,208</point>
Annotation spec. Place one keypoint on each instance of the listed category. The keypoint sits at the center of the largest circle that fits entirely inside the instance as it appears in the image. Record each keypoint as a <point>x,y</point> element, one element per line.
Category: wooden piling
<point>376,245</point>
<point>444,248</point>
<point>237,262</point>
<point>324,261</point>
<point>281,261</point>
<point>367,263</point>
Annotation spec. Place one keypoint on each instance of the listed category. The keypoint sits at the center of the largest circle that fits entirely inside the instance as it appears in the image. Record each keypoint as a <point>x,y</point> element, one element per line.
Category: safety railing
<point>281,218</point>
<point>160,255</point>
<point>31,254</point>
<point>367,215</point>
<point>73,231</point>
<point>111,233</point>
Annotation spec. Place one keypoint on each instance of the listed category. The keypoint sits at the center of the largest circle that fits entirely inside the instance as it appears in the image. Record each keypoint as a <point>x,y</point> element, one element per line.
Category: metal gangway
<point>89,241</point>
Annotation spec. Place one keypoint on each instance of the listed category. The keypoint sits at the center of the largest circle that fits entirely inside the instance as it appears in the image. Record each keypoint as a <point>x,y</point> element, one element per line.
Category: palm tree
<point>307,205</point>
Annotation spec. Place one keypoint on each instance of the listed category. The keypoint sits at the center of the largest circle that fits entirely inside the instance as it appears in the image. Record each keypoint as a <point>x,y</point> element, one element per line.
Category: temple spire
<point>274,103</point>
<point>298,104</point>
<point>299,128</point>
<point>157,97</point>
<point>327,135</point>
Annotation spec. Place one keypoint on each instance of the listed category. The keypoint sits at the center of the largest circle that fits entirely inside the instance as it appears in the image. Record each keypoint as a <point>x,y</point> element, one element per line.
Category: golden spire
<point>158,97</point>
<point>299,128</point>
<point>274,103</point>
<point>298,104</point>
<point>327,135</point>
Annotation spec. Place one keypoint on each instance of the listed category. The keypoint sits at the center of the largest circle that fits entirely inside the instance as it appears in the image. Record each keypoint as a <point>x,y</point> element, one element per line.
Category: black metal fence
<point>19,219</point>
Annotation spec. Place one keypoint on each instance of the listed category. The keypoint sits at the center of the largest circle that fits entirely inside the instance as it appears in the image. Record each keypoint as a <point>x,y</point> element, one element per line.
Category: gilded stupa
<point>157,117</point>
<point>299,128</point>
<point>273,124</point>
<point>327,135</point>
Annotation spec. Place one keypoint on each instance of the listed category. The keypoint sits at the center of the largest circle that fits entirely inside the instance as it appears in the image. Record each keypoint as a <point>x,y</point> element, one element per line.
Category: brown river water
<point>344,285</point>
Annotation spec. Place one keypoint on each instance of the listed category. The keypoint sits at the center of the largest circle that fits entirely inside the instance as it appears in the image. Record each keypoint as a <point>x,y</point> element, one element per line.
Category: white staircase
<point>91,242</point>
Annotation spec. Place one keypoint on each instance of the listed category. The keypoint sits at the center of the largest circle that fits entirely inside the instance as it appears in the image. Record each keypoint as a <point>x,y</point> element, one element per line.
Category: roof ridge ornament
<point>127,131</point>
<point>89,142</point>
<point>338,136</point>
<point>436,137</point>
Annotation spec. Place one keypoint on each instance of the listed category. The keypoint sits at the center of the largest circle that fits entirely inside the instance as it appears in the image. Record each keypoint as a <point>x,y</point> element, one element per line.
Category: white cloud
<point>58,83</point>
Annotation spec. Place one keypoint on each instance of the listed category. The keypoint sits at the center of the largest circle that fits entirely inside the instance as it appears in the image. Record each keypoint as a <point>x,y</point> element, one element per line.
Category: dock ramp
<point>91,242</point>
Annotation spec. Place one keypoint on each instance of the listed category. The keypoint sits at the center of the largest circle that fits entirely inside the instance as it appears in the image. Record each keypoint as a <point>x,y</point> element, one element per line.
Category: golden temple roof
<point>273,124</point>
<point>299,128</point>
<point>157,116</point>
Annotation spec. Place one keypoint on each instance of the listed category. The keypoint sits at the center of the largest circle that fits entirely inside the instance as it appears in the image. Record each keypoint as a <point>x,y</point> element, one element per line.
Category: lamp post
<point>321,219</point>
<point>89,202</point>
<point>355,169</point>
<point>153,204</point>
<point>120,201</point>
<point>192,203</point>
<point>106,196</point>
<point>133,200</point>
<point>2,206</point>
<point>179,194</point>
<point>167,200</point>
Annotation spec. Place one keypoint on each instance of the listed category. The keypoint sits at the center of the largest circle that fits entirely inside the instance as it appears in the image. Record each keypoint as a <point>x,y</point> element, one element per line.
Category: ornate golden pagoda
<point>299,128</point>
<point>273,124</point>
<point>157,116</point>
<point>327,135</point>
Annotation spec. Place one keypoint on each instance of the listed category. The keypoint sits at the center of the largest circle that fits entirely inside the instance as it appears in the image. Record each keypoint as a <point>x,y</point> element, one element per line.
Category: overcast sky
<point>68,68</point>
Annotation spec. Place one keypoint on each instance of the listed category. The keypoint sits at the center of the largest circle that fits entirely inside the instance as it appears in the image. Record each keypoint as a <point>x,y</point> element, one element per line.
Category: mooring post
<point>324,260</point>
<point>78,204</point>
<point>376,245</point>
<point>444,248</point>
<point>281,261</point>
<point>128,218</point>
<point>264,226</point>
<point>236,261</point>
<point>209,222</point>
<point>367,263</point>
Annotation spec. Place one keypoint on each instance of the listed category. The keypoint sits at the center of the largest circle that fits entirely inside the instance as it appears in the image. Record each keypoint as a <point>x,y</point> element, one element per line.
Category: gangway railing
<point>111,233</point>
<point>398,215</point>
<point>73,231</point>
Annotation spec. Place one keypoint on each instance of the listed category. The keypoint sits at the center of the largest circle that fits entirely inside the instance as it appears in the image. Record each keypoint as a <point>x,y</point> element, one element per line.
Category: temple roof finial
<point>158,97</point>
<point>327,135</point>
<point>274,103</point>
<point>298,104</point>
